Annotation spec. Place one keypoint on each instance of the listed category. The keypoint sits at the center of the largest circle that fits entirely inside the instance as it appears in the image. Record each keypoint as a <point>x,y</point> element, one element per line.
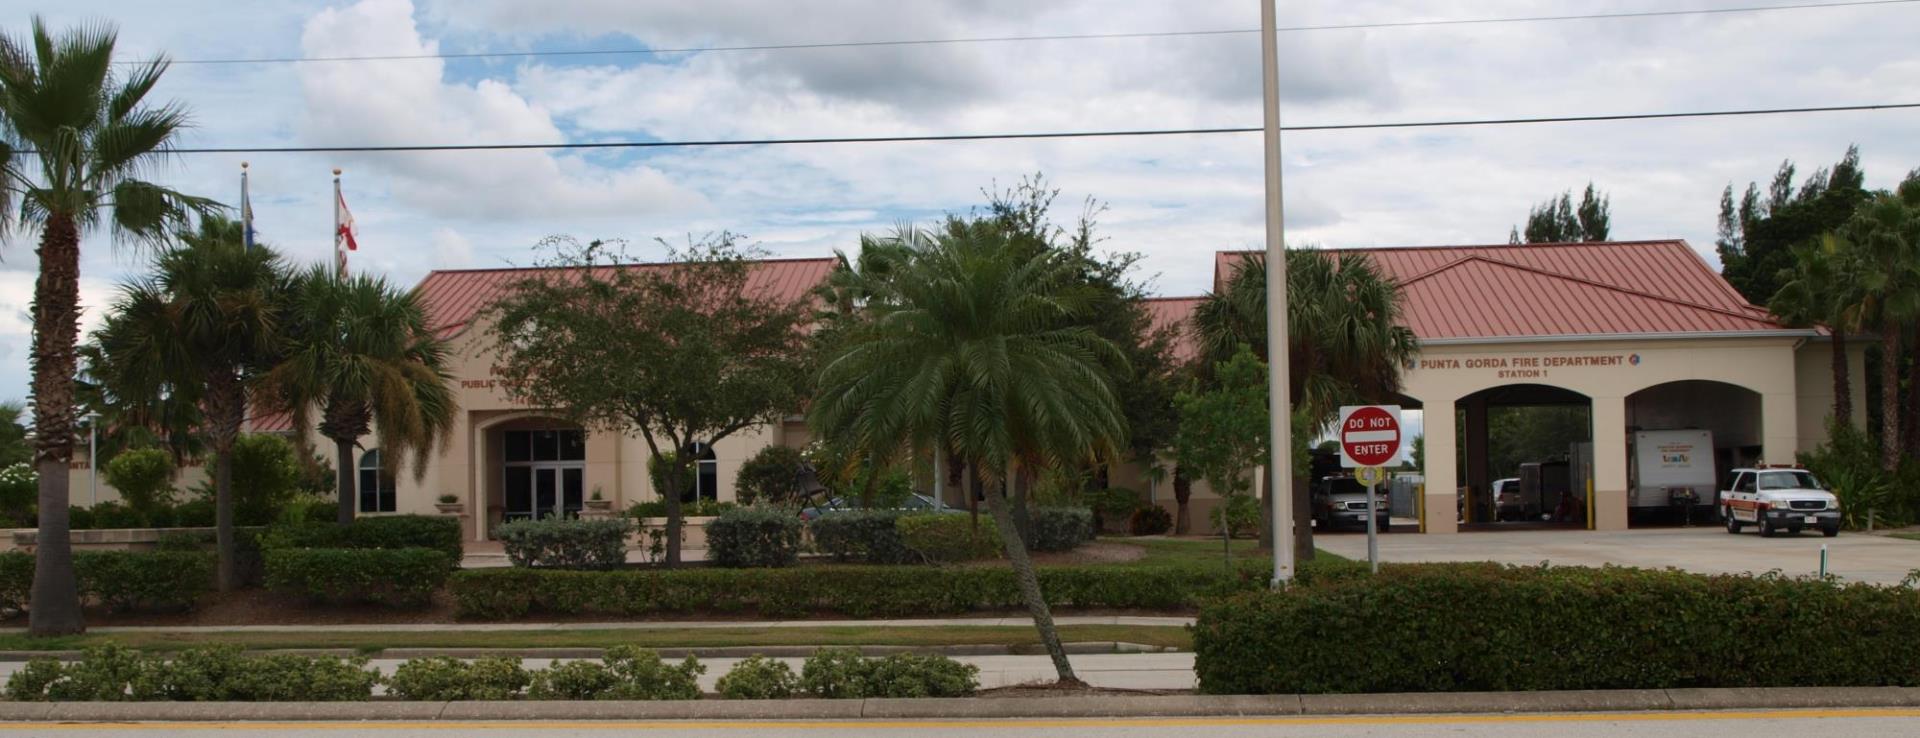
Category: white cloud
<point>451,250</point>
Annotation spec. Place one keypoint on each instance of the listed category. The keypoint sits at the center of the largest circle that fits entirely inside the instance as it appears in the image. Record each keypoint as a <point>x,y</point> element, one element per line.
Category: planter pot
<point>450,508</point>
<point>599,504</point>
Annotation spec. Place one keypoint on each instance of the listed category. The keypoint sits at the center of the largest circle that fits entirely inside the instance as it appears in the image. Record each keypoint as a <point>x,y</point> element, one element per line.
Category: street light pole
<point>93,459</point>
<point>1279,404</point>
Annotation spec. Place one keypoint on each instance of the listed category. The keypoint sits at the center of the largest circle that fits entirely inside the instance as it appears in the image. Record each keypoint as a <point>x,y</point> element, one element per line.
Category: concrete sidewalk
<point>1898,701</point>
<point>1133,620</point>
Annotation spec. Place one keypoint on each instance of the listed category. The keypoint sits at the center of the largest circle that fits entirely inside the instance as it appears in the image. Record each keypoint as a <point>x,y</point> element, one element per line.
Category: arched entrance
<point>1523,457</point>
<point>1683,437</point>
<point>536,468</point>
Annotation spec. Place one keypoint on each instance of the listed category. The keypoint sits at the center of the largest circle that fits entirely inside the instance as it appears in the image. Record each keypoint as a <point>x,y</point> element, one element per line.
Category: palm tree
<point>361,354</point>
<point>1822,287</point>
<point>1887,231</point>
<point>1346,343</point>
<point>974,354</point>
<point>90,133</point>
<point>198,331</point>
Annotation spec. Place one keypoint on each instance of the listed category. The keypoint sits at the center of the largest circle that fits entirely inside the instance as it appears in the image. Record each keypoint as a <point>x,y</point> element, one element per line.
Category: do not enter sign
<point>1369,435</point>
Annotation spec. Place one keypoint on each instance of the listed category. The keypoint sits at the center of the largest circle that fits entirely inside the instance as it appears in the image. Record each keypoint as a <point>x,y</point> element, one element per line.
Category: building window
<point>377,488</point>
<point>706,480</point>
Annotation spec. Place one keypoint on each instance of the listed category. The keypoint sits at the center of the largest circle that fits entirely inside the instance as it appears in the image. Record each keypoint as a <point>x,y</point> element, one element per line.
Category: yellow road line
<point>525,725</point>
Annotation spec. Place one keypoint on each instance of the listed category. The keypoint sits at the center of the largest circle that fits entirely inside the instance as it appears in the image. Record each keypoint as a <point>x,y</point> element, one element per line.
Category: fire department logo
<point>1634,359</point>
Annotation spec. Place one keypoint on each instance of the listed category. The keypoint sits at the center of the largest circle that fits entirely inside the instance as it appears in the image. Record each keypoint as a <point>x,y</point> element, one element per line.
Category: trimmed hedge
<point>566,543</point>
<point>753,536</point>
<point>624,673</point>
<point>214,674</point>
<point>1152,520</point>
<point>443,678</point>
<point>946,538</point>
<point>842,673</point>
<point>1059,528</point>
<point>1484,627</point>
<point>397,577</point>
<point>855,591</point>
<point>866,536</point>
<point>119,580</point>
<point>383,532</point>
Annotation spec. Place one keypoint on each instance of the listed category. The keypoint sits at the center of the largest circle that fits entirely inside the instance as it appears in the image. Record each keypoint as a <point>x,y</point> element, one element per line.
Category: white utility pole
<point>1280,470</point>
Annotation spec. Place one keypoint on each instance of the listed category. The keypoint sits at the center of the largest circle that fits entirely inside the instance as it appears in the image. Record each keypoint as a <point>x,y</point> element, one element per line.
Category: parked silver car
<point>1340,501</point>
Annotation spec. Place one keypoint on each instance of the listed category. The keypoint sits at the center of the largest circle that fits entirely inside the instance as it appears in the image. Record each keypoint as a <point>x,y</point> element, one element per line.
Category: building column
<point>1441,498</point>
<point>476,478</point>
<point>1779,427</point>
<point>1609,463</point>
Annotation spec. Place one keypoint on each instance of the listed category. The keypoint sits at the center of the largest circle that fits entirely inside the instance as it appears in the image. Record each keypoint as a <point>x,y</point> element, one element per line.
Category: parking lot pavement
<point>1851,556</point>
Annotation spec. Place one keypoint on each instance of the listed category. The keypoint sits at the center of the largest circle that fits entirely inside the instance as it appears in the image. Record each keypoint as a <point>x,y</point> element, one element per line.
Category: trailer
<point>1672,470</point>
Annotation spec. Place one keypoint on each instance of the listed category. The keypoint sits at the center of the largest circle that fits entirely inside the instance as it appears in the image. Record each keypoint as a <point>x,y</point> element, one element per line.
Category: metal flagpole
<point>339,247</point>
<point>1279,404</point>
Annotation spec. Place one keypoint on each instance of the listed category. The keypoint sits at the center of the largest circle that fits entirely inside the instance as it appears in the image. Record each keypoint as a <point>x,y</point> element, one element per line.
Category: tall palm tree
<point>199,330</point>
<point>1823,287</point>
<point>1346,341</point>
<point>1887,231</point>
<point>360,353</point>
<point>973,354</point>
<point>90,134</point>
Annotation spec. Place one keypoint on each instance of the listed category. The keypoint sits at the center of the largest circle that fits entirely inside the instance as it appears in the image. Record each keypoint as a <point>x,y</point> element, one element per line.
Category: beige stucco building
<point>1644,334</point>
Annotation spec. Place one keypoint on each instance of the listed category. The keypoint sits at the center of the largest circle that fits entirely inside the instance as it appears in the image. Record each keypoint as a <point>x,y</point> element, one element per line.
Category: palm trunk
<point>1016,549</point>
<point>1890,397</point>
<point>225,411</point>
<point>344,479</point>
<point>55,608</point>
<point>1302,521</point>
<point>1022,517</point>
<point>1910,425</point>
<point>1226,532</point>
<point>1842,383</point>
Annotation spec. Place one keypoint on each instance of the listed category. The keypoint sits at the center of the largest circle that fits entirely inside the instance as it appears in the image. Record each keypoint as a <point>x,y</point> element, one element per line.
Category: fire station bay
<point>1674,376</point>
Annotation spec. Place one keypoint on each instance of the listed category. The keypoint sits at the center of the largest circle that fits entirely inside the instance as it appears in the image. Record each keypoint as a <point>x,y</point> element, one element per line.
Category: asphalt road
<point>1783,724</point>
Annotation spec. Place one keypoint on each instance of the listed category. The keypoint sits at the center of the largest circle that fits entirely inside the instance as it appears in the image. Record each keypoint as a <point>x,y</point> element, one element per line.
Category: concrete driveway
<point>1854,557</point>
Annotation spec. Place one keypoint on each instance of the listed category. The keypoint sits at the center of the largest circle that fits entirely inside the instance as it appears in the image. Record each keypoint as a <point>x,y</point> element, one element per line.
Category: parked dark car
<point>914,503</point>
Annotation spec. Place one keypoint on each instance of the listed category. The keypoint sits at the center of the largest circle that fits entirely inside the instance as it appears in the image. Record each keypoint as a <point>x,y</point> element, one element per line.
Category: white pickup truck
<point>1775,499</point>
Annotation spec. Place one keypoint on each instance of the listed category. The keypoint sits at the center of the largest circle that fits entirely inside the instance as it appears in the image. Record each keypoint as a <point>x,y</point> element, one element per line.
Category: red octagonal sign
<point>1369,435</point>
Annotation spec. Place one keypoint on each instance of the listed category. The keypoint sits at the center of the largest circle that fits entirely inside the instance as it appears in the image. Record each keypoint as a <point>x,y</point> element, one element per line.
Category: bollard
<point>1823,561</point>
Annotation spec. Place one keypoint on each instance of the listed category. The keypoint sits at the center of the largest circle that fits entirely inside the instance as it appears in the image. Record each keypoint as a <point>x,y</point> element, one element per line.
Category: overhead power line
<point>1037,135</point>
<point>1054,37</point>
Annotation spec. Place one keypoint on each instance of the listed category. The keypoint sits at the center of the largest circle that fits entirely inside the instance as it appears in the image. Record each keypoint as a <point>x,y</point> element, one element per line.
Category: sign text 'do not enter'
<point>1369,435</point>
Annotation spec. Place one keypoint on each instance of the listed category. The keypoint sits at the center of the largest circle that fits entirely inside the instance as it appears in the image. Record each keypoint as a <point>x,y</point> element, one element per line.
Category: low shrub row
<point>216,674</point>
<point>1059,528</point>
<point>1484,627</point>
<point>855,591</point>
<point>396,577</point>
<point>383,532</point>
<point>754,536</point>
<point>947,538</point>
<point>566,543</point>
<point>227,674</point>
<point>865,536</point>
<point>118,580</point>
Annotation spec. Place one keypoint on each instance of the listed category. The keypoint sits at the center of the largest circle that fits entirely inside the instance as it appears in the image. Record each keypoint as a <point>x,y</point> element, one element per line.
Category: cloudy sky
<point>1174,199</point>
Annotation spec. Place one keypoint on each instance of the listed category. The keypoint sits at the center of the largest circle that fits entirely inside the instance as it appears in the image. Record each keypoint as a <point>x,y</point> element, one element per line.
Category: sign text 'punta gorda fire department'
<point>1527,366</point>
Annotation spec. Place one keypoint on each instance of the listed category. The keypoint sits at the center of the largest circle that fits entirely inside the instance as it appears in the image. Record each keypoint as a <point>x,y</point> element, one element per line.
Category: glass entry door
<point>536,491</point>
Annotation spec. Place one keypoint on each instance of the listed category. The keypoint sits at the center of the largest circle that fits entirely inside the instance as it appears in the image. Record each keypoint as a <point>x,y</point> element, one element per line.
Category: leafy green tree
<point>773,475</point>
<point>1557,220</point>
<point>94,134</point>
<point>1223,432</point>
<point>19,485</point>
<point>1757,235</point>
<point>267,474</point>
<point>14,445</point>
<point>202,327</point>
<point>1887,231</point>
<point>682,353</point>
<point>144,478</point>
<point>979,352</point>
<point>1823,288</point>
<point>1346,343</point>
<point>360,354</point>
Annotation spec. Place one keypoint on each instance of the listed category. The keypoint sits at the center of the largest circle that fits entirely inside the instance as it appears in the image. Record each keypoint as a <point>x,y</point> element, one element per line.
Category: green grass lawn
<point>1907,536</point>
<point>373,641</point>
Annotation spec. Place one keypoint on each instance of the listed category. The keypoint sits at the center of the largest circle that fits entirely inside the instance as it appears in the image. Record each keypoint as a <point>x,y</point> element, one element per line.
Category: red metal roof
<point>1175,312</point>
<point>1561,289</point>
<point>453,297</point>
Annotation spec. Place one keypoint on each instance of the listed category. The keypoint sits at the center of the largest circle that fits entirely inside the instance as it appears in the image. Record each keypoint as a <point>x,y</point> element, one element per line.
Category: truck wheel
<point>1830,530</point>
<point>1733,524</point>
<point>1766,527</point>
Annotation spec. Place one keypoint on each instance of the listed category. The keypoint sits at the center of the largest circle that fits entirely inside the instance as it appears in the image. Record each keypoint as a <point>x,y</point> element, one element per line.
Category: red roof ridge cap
<point>478,270</point>
<point>1591,283</point>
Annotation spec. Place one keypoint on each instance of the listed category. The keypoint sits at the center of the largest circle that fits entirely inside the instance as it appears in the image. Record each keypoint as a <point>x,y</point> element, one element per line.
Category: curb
<point>714,652</point>
<point>1071,706</point>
